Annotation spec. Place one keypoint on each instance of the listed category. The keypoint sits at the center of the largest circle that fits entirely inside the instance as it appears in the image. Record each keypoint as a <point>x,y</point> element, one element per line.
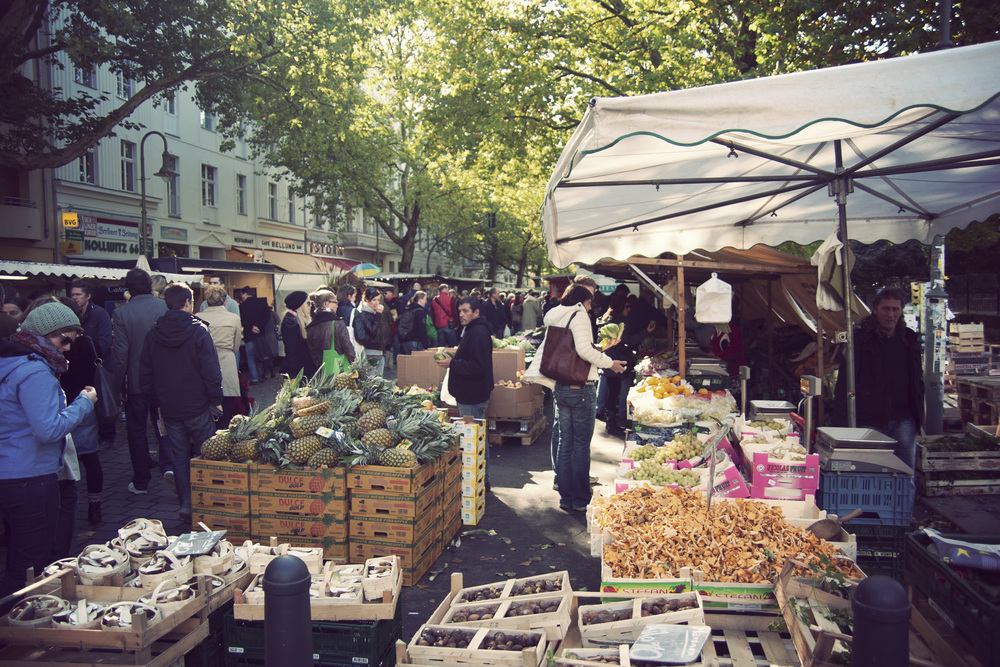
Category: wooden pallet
<point>517,437</point>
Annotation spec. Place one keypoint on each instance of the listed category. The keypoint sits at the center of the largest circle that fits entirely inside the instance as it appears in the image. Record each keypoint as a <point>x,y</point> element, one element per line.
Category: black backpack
<point>405,326</point>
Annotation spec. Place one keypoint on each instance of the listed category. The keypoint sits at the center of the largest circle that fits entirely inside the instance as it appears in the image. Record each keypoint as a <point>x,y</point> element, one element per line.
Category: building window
<point>173,199</point>
<point>85,77</point>
<point>125,86</point>
<point>208,121</point>
<point>128,166</point>
<point>291,206</point>
<point>88,166</point>
<point>208,185</point>
<point>241,194</point>
<point>272,201</point>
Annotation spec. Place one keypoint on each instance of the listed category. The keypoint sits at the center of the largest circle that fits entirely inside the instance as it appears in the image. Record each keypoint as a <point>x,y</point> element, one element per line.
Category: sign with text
<point>108,238</point>
<point>70,220</point>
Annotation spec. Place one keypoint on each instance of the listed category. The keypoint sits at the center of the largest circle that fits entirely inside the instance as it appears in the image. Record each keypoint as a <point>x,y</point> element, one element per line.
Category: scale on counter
<point>858,450</point>
<point>770,410</point>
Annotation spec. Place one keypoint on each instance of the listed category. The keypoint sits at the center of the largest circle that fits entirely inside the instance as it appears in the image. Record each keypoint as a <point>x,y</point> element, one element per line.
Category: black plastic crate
<point>211,651</point>
<point>357,643</point>
<point>256,659</point>
<point>973,616</point>
<point>880,549</point>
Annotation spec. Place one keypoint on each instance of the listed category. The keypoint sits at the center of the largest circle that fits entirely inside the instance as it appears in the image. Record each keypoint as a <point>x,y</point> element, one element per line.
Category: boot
<point>94,513</point>
<point>611,426</point>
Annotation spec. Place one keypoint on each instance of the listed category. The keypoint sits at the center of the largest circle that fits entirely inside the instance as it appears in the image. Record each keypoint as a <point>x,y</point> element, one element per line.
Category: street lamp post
<point>166,172</point>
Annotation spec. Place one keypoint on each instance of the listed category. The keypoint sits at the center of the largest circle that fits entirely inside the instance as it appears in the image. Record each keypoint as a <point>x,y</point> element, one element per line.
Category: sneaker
<point>94,514</point>
<point>580,509</point>
<point>555,486</point>
<point>135,491</point>
<point>168,477</point>
<point>594,480</point>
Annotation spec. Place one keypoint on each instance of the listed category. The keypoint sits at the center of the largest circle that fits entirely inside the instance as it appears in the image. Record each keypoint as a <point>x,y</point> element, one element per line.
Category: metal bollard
<point>881,624</point>
<point>287,620</point>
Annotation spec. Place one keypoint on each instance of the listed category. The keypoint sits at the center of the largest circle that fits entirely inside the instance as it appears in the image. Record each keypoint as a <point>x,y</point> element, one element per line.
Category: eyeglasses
<point>66,340</point>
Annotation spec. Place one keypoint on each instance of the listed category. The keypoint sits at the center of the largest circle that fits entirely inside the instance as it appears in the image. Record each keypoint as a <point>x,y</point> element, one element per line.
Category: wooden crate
<point>601,635</point>
<point>156,645</point>
<point>981,469</point>
<point>504,614</point>
<point>474,655</point>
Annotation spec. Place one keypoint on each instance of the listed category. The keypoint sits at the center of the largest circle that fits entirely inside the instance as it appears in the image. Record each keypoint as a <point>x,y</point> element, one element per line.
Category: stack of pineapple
<point>352,418</point>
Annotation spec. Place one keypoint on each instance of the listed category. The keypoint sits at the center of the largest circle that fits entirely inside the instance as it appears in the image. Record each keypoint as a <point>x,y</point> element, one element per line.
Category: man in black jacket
<point>495,313</point>
<point>888,382</point>
<point>470,377</point>
<point>255,317</point>
<point>180,367</point>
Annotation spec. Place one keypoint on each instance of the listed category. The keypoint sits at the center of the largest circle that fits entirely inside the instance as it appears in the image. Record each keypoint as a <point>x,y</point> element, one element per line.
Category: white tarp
<point>15,268</point>
<point>737,164</point>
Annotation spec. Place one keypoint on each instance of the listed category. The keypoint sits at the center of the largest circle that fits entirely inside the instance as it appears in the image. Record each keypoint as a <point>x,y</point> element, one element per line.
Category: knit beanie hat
<point>295,300</point>
<point>50,317</point>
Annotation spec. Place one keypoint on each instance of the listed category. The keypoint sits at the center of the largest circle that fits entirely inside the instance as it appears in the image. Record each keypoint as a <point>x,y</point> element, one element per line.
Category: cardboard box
<point>449,462</point>
<point>766,492</point>
<point>420,369</point>
<point>472,489</point>
<point>472,517</point>
<point>472,503</point>
<point>299,504</point>
<point>313,527</point>
<point>470,431</point>
<point>504,401</point>
<point>473,447</point>
<point>450,528</point>
<point>219,499</point>
<point>729,483</point>
<point>379,503</point>
<point>402,530</point>
<point>506,364</point>
<point>264,477</point>
<point>471,460</point>
<point>410,552</point>
<point>768,471</point>
<point>474,473</point>
<point>411,481</point>
<point>238,525</point>
<point>221,475</point>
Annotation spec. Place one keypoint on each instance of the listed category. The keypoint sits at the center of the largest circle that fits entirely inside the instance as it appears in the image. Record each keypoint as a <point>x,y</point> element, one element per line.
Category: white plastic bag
<point>714,302</point>
<point>446,396</point>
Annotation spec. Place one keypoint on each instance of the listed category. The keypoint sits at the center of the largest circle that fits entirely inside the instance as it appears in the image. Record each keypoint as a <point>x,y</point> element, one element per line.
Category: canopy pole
<point>840,188</point>
<point>681,315</point>
<point>770,339</point>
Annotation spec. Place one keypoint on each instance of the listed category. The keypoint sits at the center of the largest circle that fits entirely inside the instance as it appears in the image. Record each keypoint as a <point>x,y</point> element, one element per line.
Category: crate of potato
<point>546,585</point>
<point>593,657</point>
<point>463,646</point>
<point>614,623</point>
<point>549,613</point>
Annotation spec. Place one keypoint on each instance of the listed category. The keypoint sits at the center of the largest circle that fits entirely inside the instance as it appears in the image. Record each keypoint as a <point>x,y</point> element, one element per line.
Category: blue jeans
<point>575,410</point>
<point>31,507</point>
<point>602,394</point>
<point>186,436</point>
<point>477,411</point>
<point>410,346</point>
<point>446,337</point>
<point>139,410</point>
<point>252,364</point>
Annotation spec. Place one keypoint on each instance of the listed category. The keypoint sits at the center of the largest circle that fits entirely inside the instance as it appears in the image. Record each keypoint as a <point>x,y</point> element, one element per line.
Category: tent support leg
<point>681,315</point>
<point>840,188</point>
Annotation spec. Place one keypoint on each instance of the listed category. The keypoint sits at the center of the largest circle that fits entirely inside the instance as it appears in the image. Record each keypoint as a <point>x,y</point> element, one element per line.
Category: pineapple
<point>217,447</point>
<point>303,426</point>
<point>324,457</point>
<point>344,381</point>
<point>379,437</point>
<point>315,409</point>
<point>244,433</point>
<point>375,418</point>
<point>283,401</point>
<point>300,450</point>
<point>398,457</point>
<point>244,450</point>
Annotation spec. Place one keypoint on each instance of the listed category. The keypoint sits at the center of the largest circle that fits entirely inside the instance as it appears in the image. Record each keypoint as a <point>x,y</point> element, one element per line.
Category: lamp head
<point>166,171</point>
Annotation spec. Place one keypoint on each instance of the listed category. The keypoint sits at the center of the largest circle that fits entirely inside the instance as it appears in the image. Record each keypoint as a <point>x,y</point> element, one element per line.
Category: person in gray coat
<point>130,324</point>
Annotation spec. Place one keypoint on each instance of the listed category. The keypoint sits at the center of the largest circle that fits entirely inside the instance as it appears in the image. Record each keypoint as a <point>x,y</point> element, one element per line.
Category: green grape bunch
<point>684,446</point>
<point>657,475</point>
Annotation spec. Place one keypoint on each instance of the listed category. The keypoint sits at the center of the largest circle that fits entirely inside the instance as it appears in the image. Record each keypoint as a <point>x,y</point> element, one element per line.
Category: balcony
<point>363,240</point>
<point>20,219</point>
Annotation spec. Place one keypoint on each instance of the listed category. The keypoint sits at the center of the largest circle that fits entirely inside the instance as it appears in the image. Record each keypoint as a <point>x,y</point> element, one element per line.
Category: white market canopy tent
<point>737,164</point>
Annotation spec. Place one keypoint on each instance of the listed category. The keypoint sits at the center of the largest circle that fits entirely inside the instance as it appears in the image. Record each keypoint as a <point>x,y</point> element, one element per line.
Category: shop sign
<point>70,220</point>
<point>74,235</point>
<point>323,249</point>
<point>246,240</point>
<point>284,245</point>
<point>71,247</point>
<point>173,234</point>
<point>110,238</point>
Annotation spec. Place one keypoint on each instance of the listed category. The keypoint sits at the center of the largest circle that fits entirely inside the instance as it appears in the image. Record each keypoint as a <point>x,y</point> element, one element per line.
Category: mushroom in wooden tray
<point>142,545</point>
<point>347,574</point>
<point>659,606</point>
<point>598,616</point>
<point>483,593</point>
<point>474,613</point>
<point>443,638</point>
<point>540,585</point>
<point>121,616</point>
<point>213,582</point>
<point>141,525</point>
<point>82,615</point>
<point>165,565</point>
<point>344,592</point>
<point>36,611</point>
<point>60,564</point>
<point>378,569</point>
<point>219,560</point>
<point>510,640</point>
<point>100,561</point>
<point>168,596</point>
<point>607,657</point>
<point>534,607</point>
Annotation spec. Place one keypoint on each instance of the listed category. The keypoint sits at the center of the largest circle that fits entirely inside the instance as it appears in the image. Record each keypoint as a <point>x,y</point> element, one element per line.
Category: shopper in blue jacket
<point>36,421</point>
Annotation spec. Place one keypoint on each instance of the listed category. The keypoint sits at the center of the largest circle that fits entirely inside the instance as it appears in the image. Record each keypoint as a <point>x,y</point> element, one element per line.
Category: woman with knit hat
<point>293,334</point>
<point>33,435</point>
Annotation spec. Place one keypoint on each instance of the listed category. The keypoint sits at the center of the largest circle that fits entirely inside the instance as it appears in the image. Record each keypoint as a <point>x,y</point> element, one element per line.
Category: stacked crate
<point>395,511</point>
<point>967,350</point>
<point>449,468</point>
<point>473,477</point>
<point>220,497</point>
<point>302,508</point>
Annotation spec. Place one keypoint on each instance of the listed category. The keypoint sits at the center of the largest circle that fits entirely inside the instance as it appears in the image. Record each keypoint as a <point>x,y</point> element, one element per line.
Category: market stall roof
<point>792,289</point>
<point>12,268</point>
<point>293,262</point>
<point>916,138</point>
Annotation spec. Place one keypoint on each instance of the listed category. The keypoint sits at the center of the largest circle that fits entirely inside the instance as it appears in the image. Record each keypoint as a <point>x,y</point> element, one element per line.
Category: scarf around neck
<point>42,346</point>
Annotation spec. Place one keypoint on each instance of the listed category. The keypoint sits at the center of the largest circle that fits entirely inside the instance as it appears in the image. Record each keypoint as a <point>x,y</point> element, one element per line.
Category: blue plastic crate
<point>886,500</point>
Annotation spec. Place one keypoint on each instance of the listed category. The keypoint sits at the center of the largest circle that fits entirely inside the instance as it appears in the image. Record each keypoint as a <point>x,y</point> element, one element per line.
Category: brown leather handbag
<point>560,361</point>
